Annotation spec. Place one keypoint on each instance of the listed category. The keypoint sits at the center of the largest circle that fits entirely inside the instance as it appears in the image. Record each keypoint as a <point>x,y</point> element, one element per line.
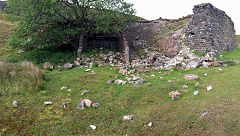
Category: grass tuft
<point>19,78</point>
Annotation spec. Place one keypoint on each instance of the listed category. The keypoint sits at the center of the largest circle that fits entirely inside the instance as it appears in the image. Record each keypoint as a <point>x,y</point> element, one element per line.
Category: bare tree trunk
<point>80,46</point>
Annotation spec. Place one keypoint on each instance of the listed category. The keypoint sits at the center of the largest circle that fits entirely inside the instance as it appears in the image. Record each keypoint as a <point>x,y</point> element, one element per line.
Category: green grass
<point>148,104</point>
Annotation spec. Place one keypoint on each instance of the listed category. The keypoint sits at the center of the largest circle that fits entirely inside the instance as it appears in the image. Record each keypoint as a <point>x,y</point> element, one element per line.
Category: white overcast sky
<point>173,9</point>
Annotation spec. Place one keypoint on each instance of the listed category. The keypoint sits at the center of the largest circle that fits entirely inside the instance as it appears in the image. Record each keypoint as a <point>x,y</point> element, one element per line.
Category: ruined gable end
<point>210,30</point>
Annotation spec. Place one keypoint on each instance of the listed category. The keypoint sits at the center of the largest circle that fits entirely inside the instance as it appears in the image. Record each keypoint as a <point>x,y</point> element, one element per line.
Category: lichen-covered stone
<point>210,30</point>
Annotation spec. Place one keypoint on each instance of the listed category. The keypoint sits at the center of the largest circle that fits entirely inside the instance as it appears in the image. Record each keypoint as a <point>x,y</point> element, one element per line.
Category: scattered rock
<point>88,102</point>
<point>192,65</point>
<point>81,105</point>
<point>64,105</point>
<point>48,103</point>
<point>127,117</point>
<point>220,69</point>
<point>124,82</point>
<point>204,114</point>
<point>174,95</point>
<point>191,77</point>
<point>170,81</point>
<point>195,93</point>
<point>109,81</point>
<point>205,74</point>
<point>69,90</point>
<point>67,66</point>
<point>93,127</point>
<point>149,84</point>
<point>15,104</point>
<point>118,82</point>
<point>85,92</point>
<point>153,75</point>
<point>209,88</point>
<point>21,51</point>
<point>150,124</point>
<point>88,70</point>
<point>197,84</point>
<point>95,105</point>
<point>64,88</point>
<point>48,65</point>
<point>184,86</point>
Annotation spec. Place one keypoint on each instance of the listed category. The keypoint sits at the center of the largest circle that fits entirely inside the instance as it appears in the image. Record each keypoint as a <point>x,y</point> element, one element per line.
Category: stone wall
<point>210,30</point>
<point>3,4</point>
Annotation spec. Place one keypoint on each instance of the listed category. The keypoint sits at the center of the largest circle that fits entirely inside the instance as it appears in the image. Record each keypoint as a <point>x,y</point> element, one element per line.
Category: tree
<point>50,23</point>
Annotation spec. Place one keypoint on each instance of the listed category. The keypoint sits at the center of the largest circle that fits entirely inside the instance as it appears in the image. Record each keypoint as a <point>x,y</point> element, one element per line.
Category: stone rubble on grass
<point>88,102</point>
<point>192,65</point>
<point>85,92</point>
<point>209,88</point>
<point>124,82</point>
<point>205,74</point>
<point>118,82</point>
<point>67,66</point>
<point>128,117</point>
<point>197,84</point>
<point>184,86</point>
<point>81,105</point>
<point>170,81</point>
<point>64,105</point>
<point>195,93</point>
<point>150,124</point>
<point>153,75</point>
<point>109,81</point>
<point>48,103</point>
<point>93,127</point>
<point>21,51</point>
<point>191,77</point>
<point>64,88</point>
<point>95,105</point>
<point>204,114</point>
<point>48,65</point>
<point>69,90</point>
<point>174,95</point>
<point>15,104</point>
<point>220,69</point>
<point>88,70</point>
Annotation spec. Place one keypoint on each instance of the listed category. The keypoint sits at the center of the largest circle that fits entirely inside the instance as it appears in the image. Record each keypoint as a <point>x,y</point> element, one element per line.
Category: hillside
<point>214,112</point>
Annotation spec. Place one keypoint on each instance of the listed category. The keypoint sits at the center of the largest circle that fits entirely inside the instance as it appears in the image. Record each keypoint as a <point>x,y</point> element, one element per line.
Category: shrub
<point>19,78</point>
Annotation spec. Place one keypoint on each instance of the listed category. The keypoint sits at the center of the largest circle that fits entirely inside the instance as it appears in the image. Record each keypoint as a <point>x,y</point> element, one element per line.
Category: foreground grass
<point>147,103</point>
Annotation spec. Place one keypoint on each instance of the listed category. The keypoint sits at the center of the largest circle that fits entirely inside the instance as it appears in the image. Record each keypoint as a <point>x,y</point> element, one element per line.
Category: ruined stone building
<point>207,30</point>
<point>210,30</point>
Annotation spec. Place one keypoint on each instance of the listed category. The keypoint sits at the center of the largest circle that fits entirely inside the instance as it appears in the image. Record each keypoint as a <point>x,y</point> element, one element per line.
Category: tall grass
<point>19,78</point>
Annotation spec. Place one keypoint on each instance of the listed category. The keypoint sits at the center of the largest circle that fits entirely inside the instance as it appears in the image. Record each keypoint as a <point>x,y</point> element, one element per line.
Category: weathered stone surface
<point>47,65</point>
<point>15,104</point>
<point>210,30</point>
<point>174,95</point>
<point>127,117</point>
<point>191,77</point>
<point>169,45</point>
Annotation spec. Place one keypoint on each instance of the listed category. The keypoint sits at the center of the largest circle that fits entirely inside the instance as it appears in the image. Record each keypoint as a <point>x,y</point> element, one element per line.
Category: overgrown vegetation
<point>48,24</point>
<point>19,78</point>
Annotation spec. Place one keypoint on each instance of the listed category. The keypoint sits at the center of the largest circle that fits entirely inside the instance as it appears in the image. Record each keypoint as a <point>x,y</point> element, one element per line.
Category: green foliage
<point>51,23</point>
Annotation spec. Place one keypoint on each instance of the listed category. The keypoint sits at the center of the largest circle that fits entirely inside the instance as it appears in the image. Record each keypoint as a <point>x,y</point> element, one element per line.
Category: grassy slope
<point>147,103</point>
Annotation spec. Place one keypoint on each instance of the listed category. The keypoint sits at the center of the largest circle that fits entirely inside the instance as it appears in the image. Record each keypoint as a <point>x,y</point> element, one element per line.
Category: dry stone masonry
<point>210,30</point>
